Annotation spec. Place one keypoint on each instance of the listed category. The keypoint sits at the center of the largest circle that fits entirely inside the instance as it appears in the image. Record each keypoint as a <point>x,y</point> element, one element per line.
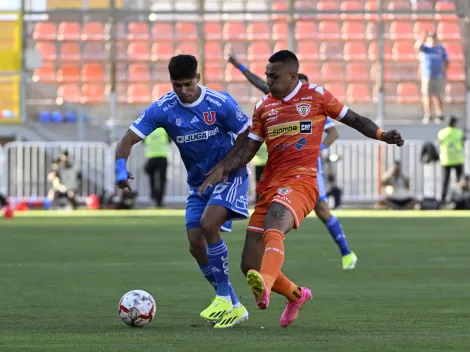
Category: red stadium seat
<point>258,31</point>
<point>329,30</point>
<point>46,73</point>
<point>280,31</point>
<point>234,31</point>
<point>371,30</point>
<point>419,8</point>
<point>404,71</point>
<point>403,51</point>
<point>347,6</point>
<point>47,50</point>
<point>408,93</point>
<point>333,72</point>
<point>373,51</point>
<point>70,52</point>
<point>358,93</point>
<point>280,6</point>
<point>305,30</point>
<point>447,31</point>
<point>239,91</point>
<point>93,73</point>
<point>121,72</point>
<point>312,70</point>
<point>187,48</point>
<point>92,94</point>
<point>216,86</point>
<point>401,30</point>
<point>455,51</point>
<point>233,74</point>
<point>355,51</point>
<point>93,31</point>
<point>138,93</point>
<point>327,5</point>
<point>331,51</point>
<point>69,31</point>
<point>455,93</point>
<point>337,89</point>
<point>353,30</point>
<point>374,73</point>
<point>159,71</point>
<point>307,50</point>
<point>160,90</point>
<point>422,27</point>
<point>213,30</point>
<point>259,51</point>
<point>239,48</point>
<point>399,6</point>
<point>162,51</point>
<point>94,51</point>
<point>69,92</point>
<point>186,31</point>
<point>358,72</point>
<point>258,68</point>
<point>44,31</point>
<point>162,31</point>
<point>445,6</point>
<point>389,90</point>
<point>138,31</point>
<point>213,51</point>
<point>456,72</point>
<point>68,73</point>
<point>371,6</point>
<point>138,51</point>
<point>281,45</point>
<point>214,72</point>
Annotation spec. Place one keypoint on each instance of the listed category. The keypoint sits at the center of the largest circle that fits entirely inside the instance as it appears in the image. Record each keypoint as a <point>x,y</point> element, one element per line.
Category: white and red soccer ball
<point>137,308</point>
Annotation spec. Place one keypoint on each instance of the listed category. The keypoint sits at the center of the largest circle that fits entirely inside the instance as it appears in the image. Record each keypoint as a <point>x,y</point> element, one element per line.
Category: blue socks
<point>207,272</point>
<point>337,233</point>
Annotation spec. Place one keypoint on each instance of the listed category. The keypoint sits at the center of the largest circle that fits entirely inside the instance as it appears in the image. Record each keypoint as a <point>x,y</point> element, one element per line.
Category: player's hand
<point>124,183</point>
<point>213,177</point>
<point>232,58</point>
<point>393,137</point>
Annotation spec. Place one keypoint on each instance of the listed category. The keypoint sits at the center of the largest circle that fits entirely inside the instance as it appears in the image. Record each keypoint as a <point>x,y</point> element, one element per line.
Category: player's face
<point>187,90</point>
<point>280,79</point>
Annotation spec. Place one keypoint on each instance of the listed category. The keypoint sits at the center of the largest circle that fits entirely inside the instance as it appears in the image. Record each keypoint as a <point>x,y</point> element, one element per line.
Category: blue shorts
<point>232,195</point>
<point>321,182</point>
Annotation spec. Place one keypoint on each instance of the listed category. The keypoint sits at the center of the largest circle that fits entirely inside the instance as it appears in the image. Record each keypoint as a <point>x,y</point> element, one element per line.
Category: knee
<point>198,249</point>
<point>209,227</point>
<point>322,211</point>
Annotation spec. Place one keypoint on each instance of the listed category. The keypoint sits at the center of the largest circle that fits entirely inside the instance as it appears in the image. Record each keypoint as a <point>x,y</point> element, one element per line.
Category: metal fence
<point>25,166</point>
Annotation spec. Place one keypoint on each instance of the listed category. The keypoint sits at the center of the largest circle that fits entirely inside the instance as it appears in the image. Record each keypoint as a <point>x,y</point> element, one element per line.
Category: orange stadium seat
<point>371,6</point>
<point>233,74</point>
<point>93,31</point>
<point>94,51</point>
<point>214,72</point>
<point>281,45</point>
<point>160,89</point>
<point>447,31</point>
<point>373,51</point>
<point>187,48</point>
<point>329,30</point>
<point>70,92</point>
<point>357,71</point>
<point>280,31</point>
<point>327,5</point>
<point>239,91</point>
<point>374,73</point>
<point>422,27</point>
<point>305,30</point>
<point>121,51</point>
<point>44,31</point>
<point>93,73</point>
<point>92,94</point>
<point>312,70</point>
<point>159,71</point>
<point>213,30</point>
<point>331,51</point>
<point>358,93</point>
<point>238,48</point>
<point>69,31</point>
<point>234,31</point>
<point>138,51</point>
<point>46,73</point>
<point>455,93</point>
<point>338,90</point>
<point>121,72</point>
<point>399,6</point>
<point>355,51</point>
<point>162,31</point>
<point>70,52</point>
<point>456,71</point>
<point>259,51</point>
<point>353,30</point>
<point>68,73</point>
<point>351,6</point>
<point>408,93</point>
<point>258,68</point>
<point>162,51</point>
<point>403,51</point>
<point>455,51</point>
<point>307,50</point>
<point>186,31</point>
<point>216,86</point>
<point>138,93</point>
<point>333,72</point>
<point>47,50</point>
<point>138,31</point>
<point>419,8</point>
<point>400,30</point>
<point>258,31</point>
<point>445,6</point>
<point>279,6</point>
<point>213,51</point>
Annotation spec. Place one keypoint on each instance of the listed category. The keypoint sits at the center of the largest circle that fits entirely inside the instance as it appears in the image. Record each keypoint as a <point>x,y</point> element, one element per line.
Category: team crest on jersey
<point>303,109</point>
<point>209,117</point>
<point>178,122</point>
<point>284,191</point>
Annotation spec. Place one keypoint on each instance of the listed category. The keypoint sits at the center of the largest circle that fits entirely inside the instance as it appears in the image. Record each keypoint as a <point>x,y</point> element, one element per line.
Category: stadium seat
<point>455,93</point>
<point>214,72</point>
<point>419,8</point>
<point>329,30</point>
<point>327,5</point>
<point>162,31</point>
<point>259,51</point>
<point>358,93</point>
<point>187,48</point>
<point>70,52</point>
<point>69,31</point>
<point>239,48</point>
<point>138,51</point>
<point>455,51</point>
<point>307,50</point>
<point>371,30</point>
<point>302,6</point>
<point>371,6</point>
<point>68,73</point>
<point>389,90</point>
<point>456,72</point>
<point>347,6</point>
<point>121,51</point>
<point>447,31</point>
<point>138,31</point>
<point>387,73</point>
<point>121,72</point>
<point>312,70</point>
<point>44,31</point>
<point>337,89</point>
<point>162,51</point>
<point>213,30</point>
<point>233,74</point>
<point>355,51</point>
<point>69,92</point>
<point>121,92</point>
<point>258,68</point>
<point>234,31</point>
<point>333,72</point>
<point>280,6</point>
<point>93,31</point>
<point>404,71</point>
<point>213,51</point>
<point>305,30</point>
<point>121,30</point>
<point>401,30</point>
<point>399,6</point>
<point>46,73</point>
<point>422,27</point>
<point>93,73</point>
<point>353,30</point>
<point>280,31</point>
<point>280,45</point>
<point>138,93</point>
<point>47,50</point>
<point>442,7</point>
<point>94,51</point>
<point>240,91</point>
<point>160,90</point>
<point>215,86</point>
<point>408,93</point>
<point>186,31</point>
<point>373,51</point>
<point>258,31</point>
<point>331,51</point>
<point>92,94</point>
<point>159,71</point>
<point>403,51</point>
<point>358,72</point>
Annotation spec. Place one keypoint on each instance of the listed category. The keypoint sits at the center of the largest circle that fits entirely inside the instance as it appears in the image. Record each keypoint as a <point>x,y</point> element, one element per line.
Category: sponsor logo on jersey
<point>169,106</point>
<point>141,116</point>
<point>273,104</point>
<point>213,101</point>
<point>303,109</point>
<point>284,190</point>
<point>290,129</point>
<point>197,136</point>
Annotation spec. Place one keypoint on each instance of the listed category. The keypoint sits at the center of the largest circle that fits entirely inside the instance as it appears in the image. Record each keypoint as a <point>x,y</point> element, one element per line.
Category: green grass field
<point>63,275</point>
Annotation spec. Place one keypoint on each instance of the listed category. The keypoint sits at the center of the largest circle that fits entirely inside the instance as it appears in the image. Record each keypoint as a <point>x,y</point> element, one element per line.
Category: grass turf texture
<point>64,273</point>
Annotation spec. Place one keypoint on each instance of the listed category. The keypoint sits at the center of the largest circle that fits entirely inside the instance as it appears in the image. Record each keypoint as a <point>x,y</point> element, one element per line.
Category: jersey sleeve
<point>147,122</point>
<point>333,108</point>
<point>234,117</point>
<point>257,130</point>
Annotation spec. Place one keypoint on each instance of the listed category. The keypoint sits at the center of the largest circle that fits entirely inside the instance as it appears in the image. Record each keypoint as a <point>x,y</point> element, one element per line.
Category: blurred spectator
<point>334,191</point>
<point>3,201</point>
<point>434,64</point>
<point>460,195</point>
<point>451,153</point>
<point>65,180</point>
<point>397,188</point>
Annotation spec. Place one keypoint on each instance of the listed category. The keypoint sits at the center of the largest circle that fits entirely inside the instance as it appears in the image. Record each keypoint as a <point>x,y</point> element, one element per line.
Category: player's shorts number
<point>220,188</point>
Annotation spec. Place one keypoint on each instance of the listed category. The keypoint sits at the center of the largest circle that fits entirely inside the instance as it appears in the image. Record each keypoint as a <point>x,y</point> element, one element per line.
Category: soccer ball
<point>137,308</point>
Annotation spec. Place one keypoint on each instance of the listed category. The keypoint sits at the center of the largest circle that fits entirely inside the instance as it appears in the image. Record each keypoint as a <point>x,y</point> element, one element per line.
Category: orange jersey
<point>292,129</point>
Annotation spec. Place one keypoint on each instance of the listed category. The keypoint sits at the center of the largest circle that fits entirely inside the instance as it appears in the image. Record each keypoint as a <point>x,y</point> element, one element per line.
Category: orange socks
<point>273,256</point>
<point>287,288</point>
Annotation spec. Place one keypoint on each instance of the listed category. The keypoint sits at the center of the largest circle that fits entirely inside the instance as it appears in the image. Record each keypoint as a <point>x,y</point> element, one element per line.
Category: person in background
<point>434,63</point>
<point>451,153</point>
<point>65,181</point>
<point>156,152</point>
<point>397,188</point>
<point>460,195</point>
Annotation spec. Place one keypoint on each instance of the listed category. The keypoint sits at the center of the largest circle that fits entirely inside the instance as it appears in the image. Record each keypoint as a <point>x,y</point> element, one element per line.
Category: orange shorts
<point>297,195</point>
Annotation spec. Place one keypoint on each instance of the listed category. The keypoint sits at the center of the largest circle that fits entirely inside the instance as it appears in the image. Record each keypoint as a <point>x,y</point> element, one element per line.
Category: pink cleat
<point>256,282</point>
<point>292,308</point>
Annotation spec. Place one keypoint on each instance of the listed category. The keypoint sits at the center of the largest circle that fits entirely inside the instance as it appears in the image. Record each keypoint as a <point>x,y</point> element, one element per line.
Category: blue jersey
<point>204,131</point>
<point>432,61</point>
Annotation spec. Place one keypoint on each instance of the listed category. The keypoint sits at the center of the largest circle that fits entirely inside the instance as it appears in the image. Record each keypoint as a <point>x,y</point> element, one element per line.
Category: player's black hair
<point>302,77</point>
<point>182,67</point>
<point>286,57</point>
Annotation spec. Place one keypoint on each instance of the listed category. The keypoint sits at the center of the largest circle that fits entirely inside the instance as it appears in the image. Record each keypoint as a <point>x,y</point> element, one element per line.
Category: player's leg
<point>425,83</point>
<point>162,168</point>
<point>445,182</point>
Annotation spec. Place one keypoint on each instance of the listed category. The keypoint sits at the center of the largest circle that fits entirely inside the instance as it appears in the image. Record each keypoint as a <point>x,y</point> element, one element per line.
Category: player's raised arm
<point>255,80</point>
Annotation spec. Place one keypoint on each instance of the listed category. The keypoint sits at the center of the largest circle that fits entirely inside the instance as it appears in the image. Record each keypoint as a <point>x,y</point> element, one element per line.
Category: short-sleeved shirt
<point>432,61</point>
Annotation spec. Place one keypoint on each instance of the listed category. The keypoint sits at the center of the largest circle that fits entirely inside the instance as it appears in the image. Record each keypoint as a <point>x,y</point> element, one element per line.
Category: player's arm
<point>331,136</point>
<point>255,80</point>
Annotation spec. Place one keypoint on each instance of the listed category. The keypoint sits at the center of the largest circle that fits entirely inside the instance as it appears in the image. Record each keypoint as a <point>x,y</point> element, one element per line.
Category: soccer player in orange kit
<point>290,120</point>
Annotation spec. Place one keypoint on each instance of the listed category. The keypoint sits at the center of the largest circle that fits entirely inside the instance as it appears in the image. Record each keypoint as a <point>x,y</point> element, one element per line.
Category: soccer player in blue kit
<point>204,124</point>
